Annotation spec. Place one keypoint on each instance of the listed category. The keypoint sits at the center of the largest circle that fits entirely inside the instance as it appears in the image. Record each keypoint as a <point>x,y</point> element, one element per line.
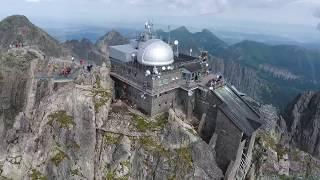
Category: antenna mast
<point>169,39</point>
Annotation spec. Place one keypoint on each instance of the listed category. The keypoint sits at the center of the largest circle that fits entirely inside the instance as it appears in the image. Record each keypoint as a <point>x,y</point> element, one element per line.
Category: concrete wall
<point>228,141</point>
<point>211,113</point>
<point>123,90</point>
<point>201,103</point>
<point>163,102</point>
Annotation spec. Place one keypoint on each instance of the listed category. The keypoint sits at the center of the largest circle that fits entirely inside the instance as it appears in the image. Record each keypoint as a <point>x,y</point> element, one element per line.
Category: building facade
<point>154,76</point>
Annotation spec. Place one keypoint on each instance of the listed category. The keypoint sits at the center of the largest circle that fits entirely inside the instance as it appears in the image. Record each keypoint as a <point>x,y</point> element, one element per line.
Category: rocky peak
<point>18,29</point>
<point>182,29</point>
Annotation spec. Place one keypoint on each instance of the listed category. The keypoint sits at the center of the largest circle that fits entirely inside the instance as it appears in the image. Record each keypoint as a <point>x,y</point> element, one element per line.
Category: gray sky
<point>260,14</point>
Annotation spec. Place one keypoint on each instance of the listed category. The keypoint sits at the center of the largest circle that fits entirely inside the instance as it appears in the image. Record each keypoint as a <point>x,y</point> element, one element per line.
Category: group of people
<point>87,67</point>
<point>16,45</point>
<point>216,82</point>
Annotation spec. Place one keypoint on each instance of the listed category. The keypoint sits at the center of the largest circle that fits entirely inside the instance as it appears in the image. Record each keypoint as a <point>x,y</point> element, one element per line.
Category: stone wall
<point>228,141</point>
<point>163,101</point>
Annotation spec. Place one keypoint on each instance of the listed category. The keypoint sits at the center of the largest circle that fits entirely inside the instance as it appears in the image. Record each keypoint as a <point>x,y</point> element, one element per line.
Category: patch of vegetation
<point>101,97</point>
<point>142,124</point>
<point>74,145</point>
<point>173,177</point>
<point>59,157</point>
<point>185,156</point>
<point>271,142</point>
<point>61,117</point>
<point>36,175</point>
<point>161,120</point>
<point>268,140</point>
<point>284,177</point>
<point>281,151</point>
<point>77,172</point>
<point>14,61</point>
<point>98,81</point>
<point>152,146</point>
<point>111,138</point>
<point>126,163</point>
<point>111,176</point>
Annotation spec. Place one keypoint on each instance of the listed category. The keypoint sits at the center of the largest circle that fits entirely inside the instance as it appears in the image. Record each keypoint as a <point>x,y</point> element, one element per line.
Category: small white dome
<point>155,52</point>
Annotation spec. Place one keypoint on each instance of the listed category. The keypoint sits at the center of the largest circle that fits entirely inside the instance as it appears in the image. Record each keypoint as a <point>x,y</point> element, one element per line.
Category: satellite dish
<point>190,93</point>
<point>177,78</point>
<point>207,64</point>
<point>163,68</point>
<point>158,77</point>
<point>211,88</point>
<point>148,73</point>
<point>169,67</point>
<point>133,55</point>
<point>173,79</point>
<point>155,70</point>
<point>176,42</point>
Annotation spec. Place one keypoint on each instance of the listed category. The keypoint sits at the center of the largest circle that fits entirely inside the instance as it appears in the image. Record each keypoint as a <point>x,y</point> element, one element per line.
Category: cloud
<point>36,1</point>
<point>32,0</point>
<point>210,6</point>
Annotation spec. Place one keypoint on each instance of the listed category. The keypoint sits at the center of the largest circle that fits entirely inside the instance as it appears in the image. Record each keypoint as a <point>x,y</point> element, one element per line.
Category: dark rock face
<point>112,38</point>
<point>85,49</point>
<point>244,78</point>
<point>302,117</point>
<point>18,29</point>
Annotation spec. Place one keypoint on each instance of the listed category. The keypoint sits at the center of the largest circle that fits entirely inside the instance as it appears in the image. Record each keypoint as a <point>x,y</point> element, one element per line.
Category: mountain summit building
<point>153,76</point>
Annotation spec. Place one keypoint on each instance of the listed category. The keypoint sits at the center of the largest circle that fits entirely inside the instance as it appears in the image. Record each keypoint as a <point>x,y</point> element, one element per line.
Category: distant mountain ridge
<point>272,74</point>
<point>204,40</point>
<point>85,49</point>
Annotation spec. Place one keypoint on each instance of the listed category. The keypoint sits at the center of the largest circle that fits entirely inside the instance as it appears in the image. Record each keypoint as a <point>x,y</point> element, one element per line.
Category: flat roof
<point>127,48</point>
<point>193,67</point>
<point>184,58</point>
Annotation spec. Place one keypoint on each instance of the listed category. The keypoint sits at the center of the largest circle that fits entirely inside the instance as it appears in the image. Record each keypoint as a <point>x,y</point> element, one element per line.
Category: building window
<point>159,105</point>
<point>166,102</point>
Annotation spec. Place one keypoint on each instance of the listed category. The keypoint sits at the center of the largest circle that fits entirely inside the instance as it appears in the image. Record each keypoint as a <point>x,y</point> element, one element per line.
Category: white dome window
<point>155,52</point>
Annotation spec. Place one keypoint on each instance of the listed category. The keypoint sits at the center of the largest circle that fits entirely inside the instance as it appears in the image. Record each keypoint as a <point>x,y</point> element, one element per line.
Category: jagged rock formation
<point>204,40</point>
<point>303,121</point>
<point>71,131</point>
<point>85,49</point>
<point>275,156</point>
<point>112,38</point>
<point>18,29</point>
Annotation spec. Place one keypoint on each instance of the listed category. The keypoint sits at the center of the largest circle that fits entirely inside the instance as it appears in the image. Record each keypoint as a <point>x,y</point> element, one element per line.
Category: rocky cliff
<point>275,157</point>
<point>303,122</point>
<point>71,130</point>
<point>244,78</point>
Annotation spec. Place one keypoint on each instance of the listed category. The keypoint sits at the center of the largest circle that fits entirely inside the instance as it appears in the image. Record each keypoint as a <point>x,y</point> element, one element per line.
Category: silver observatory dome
<point>155,52</point>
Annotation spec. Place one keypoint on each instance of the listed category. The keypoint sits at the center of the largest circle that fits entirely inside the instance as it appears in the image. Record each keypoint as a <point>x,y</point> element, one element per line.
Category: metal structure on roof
<point>147,50</point>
